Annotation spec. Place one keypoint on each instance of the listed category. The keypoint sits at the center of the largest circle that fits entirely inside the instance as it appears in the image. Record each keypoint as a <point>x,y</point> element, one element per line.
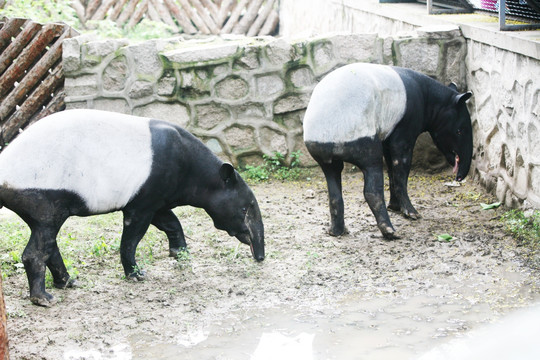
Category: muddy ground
<point>352,297</point>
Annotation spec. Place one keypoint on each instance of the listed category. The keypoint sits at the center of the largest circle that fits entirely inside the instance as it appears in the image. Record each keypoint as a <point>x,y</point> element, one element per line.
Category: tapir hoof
<point>388,233</point>
<point>337,232</point>
<point>173,252</point>
<point>137,276</point>
<point>70,283</point>
<point>45,300</point>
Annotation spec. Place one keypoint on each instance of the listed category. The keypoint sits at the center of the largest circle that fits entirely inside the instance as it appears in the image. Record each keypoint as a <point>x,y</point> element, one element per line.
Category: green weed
<point>524,226</point>
<point>276,167</point>
<point>184,260</point>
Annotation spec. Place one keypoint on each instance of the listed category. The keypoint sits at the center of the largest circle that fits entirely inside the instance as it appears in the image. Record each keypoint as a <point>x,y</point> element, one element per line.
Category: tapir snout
<point>255,226</point>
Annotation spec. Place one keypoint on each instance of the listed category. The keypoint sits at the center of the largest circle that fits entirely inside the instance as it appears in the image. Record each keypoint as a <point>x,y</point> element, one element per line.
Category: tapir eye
<point>459,132</point>
<point>244,210</point>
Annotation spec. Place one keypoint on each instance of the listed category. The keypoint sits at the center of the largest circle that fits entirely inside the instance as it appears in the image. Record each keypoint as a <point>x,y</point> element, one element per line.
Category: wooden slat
<point>248,18</point>
<point>26,58</point>
<point>127,12</point>
<point>18,44</point>
<point>34,75</point>
<point>186,7</point>
<point>164,14</point>
<point>203,14</point>
<point>10,29</point>
<point>224,10</point>
<point>152,12</point>
<point>33,104</point>
<point>91,8</point>
<point>79,10</point>
<point>138,14</point>
<point>270,24</point>
<point>182,19</point>
<point>261,18</point>
<point>56,104</point>
<point>117,9</point>
<point>102,10</point>
<point>235,14</point>
<point>212,9</point>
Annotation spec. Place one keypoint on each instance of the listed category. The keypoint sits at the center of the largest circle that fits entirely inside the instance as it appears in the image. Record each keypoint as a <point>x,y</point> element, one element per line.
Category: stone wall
<point>501,69</point>
<point>506,123</point>
<point>244,97</point>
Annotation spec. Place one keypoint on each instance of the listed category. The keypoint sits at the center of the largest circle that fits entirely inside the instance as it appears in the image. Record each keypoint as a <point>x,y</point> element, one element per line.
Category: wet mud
<point>315,296</point>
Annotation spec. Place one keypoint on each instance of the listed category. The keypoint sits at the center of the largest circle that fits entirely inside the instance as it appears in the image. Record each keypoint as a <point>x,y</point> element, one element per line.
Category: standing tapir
<point>87,162</point>
<point>362,112</point>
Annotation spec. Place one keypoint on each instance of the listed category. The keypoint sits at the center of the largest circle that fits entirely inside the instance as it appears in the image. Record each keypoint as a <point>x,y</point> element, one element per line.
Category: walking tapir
<point>87,162</point>
<point>361,113</point>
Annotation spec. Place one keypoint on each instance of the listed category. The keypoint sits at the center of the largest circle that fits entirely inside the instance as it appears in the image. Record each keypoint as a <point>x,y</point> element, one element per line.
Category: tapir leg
<point>374,195</point>
<point>166,221</point>
<point>61,278</point>
<point>398,160</point>
<point>332,173</point>
<point>40,252</point>
<point>136,224</point>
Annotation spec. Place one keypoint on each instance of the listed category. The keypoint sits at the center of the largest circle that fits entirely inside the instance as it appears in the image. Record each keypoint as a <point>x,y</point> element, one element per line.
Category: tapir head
<point>452,133</point>
<point>234,209</point>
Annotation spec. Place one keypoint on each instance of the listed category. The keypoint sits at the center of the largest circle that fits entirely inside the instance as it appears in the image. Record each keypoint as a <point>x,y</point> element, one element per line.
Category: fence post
<point>4,350</point>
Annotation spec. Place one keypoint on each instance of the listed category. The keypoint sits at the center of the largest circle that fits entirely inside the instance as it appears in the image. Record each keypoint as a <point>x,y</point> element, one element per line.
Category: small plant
<point>312,257</point>
<point>524,226</point>
<point>100,248</point>
<point>276,167</point>
<point>184,259</point>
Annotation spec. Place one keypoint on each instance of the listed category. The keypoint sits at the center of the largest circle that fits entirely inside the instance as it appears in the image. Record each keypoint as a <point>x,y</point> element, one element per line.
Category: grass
<point>523,226</point>
<point>275,167</point>
<point>82,242</point>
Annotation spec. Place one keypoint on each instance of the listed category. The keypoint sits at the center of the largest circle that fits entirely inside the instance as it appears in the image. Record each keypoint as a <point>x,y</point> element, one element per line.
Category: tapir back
<point>354,102</point>
<point>102,157</point>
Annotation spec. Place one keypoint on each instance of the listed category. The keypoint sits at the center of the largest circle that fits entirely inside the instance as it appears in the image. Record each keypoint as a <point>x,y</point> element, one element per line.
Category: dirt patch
<point>217,303</point>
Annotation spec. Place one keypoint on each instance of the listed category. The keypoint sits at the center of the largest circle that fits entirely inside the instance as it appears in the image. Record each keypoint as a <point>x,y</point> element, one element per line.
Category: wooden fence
<point>31,77</point>
<point>248,17</point>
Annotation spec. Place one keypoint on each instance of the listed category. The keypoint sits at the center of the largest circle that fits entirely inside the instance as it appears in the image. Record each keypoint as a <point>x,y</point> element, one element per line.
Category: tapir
<point>361,113</point>
<point>86,162</point>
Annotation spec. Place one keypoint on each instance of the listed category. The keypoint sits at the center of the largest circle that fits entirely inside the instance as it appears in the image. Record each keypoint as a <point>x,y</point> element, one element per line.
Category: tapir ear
<point>453,86</point>
<point>461,98</point>
<point>226,172</point>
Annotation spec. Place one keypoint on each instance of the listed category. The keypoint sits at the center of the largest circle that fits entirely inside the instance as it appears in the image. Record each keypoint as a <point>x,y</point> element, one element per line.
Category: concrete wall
<point>244,97</point>
<point>501,69</point>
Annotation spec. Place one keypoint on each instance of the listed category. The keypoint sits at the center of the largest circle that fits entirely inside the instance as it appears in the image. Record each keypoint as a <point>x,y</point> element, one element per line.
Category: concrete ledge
<point>477,27</point>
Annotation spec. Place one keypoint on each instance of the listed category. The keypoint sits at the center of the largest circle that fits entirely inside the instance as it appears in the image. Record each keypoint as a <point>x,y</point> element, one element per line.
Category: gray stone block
<point>71,55</point>
<point>140,89</point>
<point>211,115</point>
<point>204,53</point>
<point>240,137</point>
<point>82,85</point>
<point>115,74</point>
<point>232,88</point>
<point>302,77</point>
<point>279,51</point>
<point>355,47</point>
<point>268,85</point>
<point>175,113</point>
<point>290,103</point>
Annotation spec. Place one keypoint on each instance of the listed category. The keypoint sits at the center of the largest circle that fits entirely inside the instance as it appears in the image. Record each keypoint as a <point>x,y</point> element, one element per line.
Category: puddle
<point>426,323</point>
<point>382,328</point>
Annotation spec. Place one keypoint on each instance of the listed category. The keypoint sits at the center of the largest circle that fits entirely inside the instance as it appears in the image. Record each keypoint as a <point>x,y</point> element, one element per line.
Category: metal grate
<point>527,9</point>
